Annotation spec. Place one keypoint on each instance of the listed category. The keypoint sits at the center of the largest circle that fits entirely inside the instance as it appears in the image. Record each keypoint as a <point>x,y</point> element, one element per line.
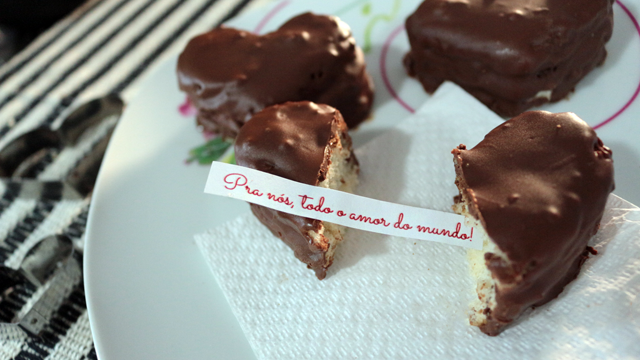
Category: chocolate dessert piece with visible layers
<point>510,54</point>
<point>537,185</point>
<point>231,74</point>
<point>308,143</point>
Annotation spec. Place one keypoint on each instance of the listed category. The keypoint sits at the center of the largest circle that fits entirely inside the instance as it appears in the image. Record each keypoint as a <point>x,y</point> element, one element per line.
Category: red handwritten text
<point>367,219</point>
<point>318,208</point>
<point>456,234</point>
<point>255,192</point>
<point>399,225</point>
<point>234,180</point>
<point>281,199</point>
<point>341,213</point>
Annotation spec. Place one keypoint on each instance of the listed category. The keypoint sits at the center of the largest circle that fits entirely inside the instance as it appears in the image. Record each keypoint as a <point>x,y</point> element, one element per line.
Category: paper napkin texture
<point>397,298</point>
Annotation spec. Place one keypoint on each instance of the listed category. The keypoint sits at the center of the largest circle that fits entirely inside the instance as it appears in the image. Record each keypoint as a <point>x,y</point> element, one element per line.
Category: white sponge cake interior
<point>342,175</point>
<point>485,284</point>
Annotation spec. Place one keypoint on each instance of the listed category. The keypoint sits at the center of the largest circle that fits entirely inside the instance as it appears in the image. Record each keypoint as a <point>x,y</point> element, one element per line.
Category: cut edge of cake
<point>485,284</point>
<point>342,175</point>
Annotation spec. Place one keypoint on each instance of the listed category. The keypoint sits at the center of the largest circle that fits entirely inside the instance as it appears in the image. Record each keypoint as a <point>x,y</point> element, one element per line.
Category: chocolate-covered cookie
<point>230,74</point>
<point>308,143</point>
<point>537,185</point>
<point>510,54</point>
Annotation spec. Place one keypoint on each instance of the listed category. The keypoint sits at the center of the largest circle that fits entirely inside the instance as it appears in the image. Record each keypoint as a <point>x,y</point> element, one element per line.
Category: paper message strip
<point>339,207</point>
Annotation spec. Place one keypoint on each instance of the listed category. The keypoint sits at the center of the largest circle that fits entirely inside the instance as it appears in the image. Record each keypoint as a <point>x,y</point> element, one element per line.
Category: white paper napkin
<point>396,298</point>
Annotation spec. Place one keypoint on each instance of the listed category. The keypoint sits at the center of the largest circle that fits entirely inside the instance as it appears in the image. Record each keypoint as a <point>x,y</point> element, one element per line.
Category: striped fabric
<point>106,46</point>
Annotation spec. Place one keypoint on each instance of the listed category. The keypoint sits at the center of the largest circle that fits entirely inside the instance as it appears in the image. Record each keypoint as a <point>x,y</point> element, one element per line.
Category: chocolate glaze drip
<point>505,52</point>
<point>231,74</point>
<point>291,140</point>
<point>538,183</point>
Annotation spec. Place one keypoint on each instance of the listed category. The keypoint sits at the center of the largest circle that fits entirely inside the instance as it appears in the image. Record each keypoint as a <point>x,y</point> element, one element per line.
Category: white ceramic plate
<point>149,292</point>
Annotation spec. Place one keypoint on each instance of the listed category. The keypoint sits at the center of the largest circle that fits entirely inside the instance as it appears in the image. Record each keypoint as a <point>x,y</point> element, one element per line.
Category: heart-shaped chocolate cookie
<point>307,143</point>
<point>231,74</point>
<point>538,185</point>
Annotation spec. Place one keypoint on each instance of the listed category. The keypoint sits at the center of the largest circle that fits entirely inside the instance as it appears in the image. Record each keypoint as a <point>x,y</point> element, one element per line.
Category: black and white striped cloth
<point>106,46</point>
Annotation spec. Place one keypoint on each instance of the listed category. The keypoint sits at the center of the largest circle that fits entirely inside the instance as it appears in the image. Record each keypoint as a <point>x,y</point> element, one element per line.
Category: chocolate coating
<point>505,52</point>
<point>291,140</point>
<point>538,183</point>
<point>231,74</point>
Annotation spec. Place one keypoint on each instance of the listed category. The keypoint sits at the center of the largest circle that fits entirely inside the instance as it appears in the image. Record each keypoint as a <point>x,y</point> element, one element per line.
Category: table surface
<point>105,46</point>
